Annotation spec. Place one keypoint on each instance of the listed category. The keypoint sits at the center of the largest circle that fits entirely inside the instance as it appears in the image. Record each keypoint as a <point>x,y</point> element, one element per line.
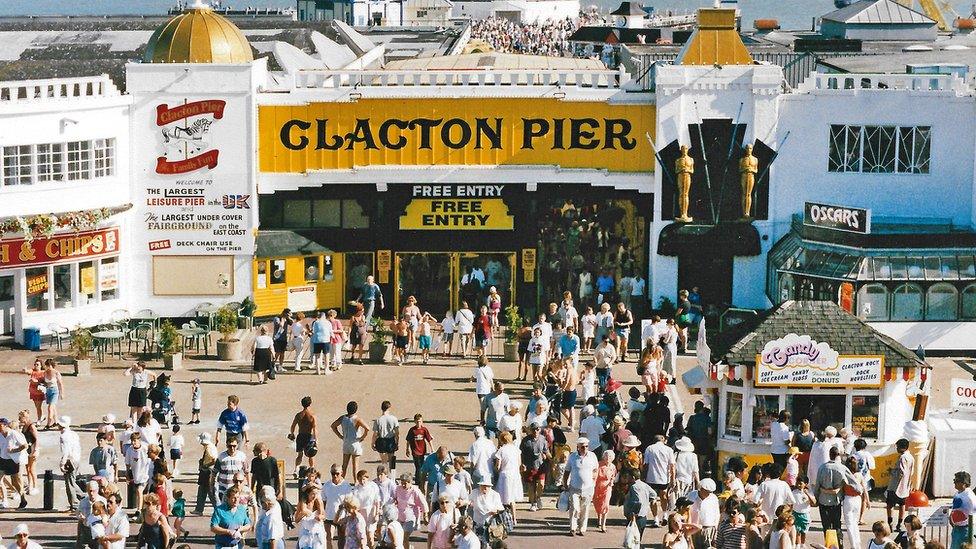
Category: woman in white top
<point>464,325</point>
<point>139,392</point>
<point>588,324</point>
<point>508,463</point>
<point>308,516</point>
<point>262,354</point>
<point>670,343</point>
<point>447,325</point>
<point>392,533</point>
<point>538,351</point>
<point>781,536</point>
<point>513,422</point>
<point>298,331</point>
<point>686,473</point>
<point>678,533</point>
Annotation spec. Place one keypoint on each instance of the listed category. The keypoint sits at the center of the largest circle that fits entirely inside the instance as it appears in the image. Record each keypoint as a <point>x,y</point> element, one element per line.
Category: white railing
<point>853,82</point>
<point>579,78</point>
<point>57,88</point>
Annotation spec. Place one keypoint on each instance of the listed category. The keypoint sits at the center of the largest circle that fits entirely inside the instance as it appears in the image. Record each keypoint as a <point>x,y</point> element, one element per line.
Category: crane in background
<point>935,9</point>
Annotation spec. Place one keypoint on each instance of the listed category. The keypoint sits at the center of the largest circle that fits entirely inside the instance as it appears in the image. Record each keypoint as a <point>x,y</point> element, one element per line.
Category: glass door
<point>428,278</point>
<point>478,272</point>
<point>6,304</point>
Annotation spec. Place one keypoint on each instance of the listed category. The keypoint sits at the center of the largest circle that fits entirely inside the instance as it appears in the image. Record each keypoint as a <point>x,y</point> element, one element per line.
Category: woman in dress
<point>353,523</point>
<point>482,331</point>
<point>588,323</point>
<point>650,364</point>
<point>261,353</point>
<point>391,532</point>
<point>35,386</point>
<point>154,531</point>
<point>53,391</point>
<point>605,476</point>
<point>357,334</point>
<point>29,430</point>
<point>494,306</point>
<point>139,392</point>
<point>508,463</point>
<point>669,341</point>
<point>308,517</point>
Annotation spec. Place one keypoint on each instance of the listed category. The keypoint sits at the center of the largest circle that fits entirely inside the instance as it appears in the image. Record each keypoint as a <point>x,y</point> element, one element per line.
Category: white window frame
<point>91,152</point>
<point>103,157</point>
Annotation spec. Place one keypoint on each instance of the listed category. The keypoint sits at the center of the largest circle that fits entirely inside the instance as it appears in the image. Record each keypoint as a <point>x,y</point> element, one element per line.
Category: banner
<point>455,131</point>
<point>837,218</point>
<point>963,395</point>
<point>799,361</point>
<point>61,247</point>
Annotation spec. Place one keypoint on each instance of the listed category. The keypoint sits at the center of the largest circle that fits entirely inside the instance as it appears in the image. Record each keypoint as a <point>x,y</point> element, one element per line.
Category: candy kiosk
<point>820,363</point>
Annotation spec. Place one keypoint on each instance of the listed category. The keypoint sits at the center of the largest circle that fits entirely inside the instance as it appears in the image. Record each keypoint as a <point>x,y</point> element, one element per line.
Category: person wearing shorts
<point>424,339</point>
<point>401,338</point>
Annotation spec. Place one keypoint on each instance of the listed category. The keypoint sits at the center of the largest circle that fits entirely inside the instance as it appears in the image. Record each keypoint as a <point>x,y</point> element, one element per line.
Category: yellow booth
<point>820,363</point>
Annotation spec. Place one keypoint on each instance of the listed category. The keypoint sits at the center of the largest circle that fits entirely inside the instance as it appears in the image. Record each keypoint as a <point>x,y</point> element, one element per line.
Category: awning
<point>736,239</point>
<point>286,244</point>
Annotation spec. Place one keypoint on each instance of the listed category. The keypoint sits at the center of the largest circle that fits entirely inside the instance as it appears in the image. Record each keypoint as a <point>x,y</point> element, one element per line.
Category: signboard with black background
<point>837,218</point>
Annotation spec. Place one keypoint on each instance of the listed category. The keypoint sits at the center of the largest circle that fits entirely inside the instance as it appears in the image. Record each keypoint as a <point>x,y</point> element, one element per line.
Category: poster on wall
<point>37,284</point>
<point>302,298</point>
<point>108,276</point>
<point>197,197</point>
<point>800,361</point>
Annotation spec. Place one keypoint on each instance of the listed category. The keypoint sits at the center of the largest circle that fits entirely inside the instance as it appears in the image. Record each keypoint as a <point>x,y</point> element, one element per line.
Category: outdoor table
<point>150,318</point>
<point>105,339</point>
<point>209,311</point>
<point>197,334</point>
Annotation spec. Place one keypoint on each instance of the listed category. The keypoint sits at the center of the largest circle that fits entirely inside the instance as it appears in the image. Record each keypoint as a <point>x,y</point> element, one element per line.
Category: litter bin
<point>32,339</point>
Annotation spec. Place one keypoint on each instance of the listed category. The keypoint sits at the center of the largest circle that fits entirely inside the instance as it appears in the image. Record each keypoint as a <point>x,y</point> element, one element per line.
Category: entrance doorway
<point>358,265</point>
<point>6,304</point>
<point>711,274</point>
<point>441,281</point>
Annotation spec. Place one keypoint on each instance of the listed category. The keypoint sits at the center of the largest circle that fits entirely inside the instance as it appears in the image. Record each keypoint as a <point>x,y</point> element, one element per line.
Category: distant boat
<point>843,3</point>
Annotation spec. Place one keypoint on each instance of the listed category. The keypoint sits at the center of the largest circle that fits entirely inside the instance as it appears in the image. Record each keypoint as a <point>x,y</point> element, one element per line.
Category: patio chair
<point>120,316</point>
<point>58,334</point>
<point>142,333</point>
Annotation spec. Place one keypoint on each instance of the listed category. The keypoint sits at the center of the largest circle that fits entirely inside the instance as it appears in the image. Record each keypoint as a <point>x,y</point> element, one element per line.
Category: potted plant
<point>246,320</point>
<point>171,346</point>
<point>80,346</point>
<point>513,323</point>
<point>380,342</point>
<point>228,346</point>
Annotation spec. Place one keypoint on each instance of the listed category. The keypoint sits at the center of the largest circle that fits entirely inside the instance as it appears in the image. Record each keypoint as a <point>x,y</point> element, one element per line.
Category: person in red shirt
<point>418,444</point>
<point>482,331</point>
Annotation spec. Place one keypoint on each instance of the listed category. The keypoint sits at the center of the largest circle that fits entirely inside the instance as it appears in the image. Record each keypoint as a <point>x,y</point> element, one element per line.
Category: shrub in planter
<point>380,342</point>
<point>228,347</point>
<point>246,319</point>
<point>513,323</point>
<point>80,346</point>
<point>171,346</point>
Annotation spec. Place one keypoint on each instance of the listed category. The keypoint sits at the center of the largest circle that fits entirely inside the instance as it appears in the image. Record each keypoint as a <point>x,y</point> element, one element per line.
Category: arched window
<point>942,302</point>
<point>785,287</point>
<point>969,302</point>
<point>872,302</point>
<point>906,302</point>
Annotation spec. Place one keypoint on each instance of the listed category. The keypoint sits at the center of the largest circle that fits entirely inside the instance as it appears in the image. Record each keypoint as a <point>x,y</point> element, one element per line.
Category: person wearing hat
<point>705,512</point>
<point>580,481</point>
<point>22,538</point>
<point>13,456</point>
<point>686,473</point>
<point>485,503</point>
<point>449,485</point>
<point>619,433</point>
<point>480,454</point>
<point>205,473</point>
<point>70,460</point>
<point>535,455</point>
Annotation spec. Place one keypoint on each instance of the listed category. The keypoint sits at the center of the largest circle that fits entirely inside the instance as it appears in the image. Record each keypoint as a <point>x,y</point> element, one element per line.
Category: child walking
<point>196,402</point>
<point>176,443</point>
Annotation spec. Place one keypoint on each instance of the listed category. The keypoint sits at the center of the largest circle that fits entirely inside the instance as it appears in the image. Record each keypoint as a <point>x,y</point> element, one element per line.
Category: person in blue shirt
<point>604,287</point>
<point>230,522</point>
<point>432,469</point>
<point>369,296</point>
<point>569,346</point>
<point>232,420</point>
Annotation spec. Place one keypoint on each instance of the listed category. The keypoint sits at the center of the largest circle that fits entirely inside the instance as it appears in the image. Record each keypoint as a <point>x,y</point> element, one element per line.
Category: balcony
<point>942,84</point>
<point>35,91</point>
<point>514,78</point>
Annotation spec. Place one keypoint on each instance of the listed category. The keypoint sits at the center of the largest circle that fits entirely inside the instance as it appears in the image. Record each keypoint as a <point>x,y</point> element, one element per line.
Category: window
<point>17,165</point>
<point>327,272</point>
<point>733,414</point>
<point>6,288</point>
<point>879,149</point>
<point>353,216</point>
<point>864,415</point>
<point>108,278</point>
<point>941,302</point>
<point>822,410</point>
<point>764,414</point>
<point>277,271</point>
<point>37,289</point>
<point>50,162</point>
<point>296,214</point>
<point>262,274</point>
<point>79,160</point>
<point>327,213</point>
<point>785,287</point>
<point>311,269</point>
<point>872,302</point>
<point>62,286</point>
<point>969,302</point>
<point>86,282</point>
<point>906,303</point>
<point>104,157</point>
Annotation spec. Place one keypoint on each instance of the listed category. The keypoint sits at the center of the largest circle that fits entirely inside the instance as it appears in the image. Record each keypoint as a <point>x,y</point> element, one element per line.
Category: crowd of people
<point>550,38</point>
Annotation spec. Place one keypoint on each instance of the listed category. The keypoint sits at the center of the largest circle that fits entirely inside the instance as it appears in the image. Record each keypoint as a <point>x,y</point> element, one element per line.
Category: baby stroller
<point>163,406</point>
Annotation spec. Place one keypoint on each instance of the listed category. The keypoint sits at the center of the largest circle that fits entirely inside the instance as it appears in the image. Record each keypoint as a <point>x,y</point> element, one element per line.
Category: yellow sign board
<point>459,131</point>
<point>458,214</point>
<point>528,264</point>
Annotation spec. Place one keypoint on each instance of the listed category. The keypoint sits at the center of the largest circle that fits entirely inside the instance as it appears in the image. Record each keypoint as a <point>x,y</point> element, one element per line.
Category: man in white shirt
<point>70,460</point>
<point>117,529</point>
<point>483,378</point>
<point>782,439</point>
<point>774,492</point>
<point>592,427</point>
<point>22,539</point>
<point>12,457</point>
<point>333,492</point>
<point>480,454</point>
<point>659,461</point>
<point>451,486</point>
<point>580,481</point>
<point>485,502</point>
<point>604,356</point>
<point>705,512</point>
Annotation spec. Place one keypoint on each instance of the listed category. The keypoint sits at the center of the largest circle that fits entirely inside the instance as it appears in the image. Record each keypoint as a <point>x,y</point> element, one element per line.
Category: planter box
<point>377,352</point>
<point>83,367</point>
<point>511,352</point>
<point>229,350</point>
<point>173,361</point>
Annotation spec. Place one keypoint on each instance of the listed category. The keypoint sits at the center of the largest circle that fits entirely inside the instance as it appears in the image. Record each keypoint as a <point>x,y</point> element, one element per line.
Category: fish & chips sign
<point>800,361</point>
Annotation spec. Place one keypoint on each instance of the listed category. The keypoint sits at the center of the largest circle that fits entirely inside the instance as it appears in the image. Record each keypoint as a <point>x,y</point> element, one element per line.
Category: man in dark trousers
<point>829,491</point>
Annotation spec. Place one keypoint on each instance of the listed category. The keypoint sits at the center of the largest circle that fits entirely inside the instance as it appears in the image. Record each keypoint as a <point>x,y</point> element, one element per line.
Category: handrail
<point>854,82</point>
<point>583,78</point>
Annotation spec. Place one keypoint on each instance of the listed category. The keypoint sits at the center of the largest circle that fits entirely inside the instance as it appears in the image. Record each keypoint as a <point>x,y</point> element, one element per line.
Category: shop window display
<point>733,415</point>
<point>62,286</point>
<point>311,269</point>
<point>108,278</point>
<point>37,289</point>
<point>764,414</point>
<point>86,281</point>
<point>864,415</point>
<point>821,410</point>
<point>277,271</point>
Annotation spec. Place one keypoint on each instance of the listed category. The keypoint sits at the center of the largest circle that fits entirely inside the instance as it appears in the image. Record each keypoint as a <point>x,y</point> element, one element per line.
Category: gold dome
<point>198,35</point>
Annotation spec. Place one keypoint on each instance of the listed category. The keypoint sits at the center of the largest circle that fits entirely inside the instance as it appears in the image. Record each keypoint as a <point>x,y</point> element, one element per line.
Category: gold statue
<point>748,167</point>
<point>684,166</point>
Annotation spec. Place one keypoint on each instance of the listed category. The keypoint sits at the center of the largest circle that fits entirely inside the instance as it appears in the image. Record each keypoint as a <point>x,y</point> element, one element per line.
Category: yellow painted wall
<point>341,118</point>
<point>880,473</point>
<point>272,299</point>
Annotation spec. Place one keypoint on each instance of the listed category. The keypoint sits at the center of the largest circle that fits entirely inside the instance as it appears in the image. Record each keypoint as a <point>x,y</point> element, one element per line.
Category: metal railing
<point>819,82</point>
<point>580,78</point>
<point>57,88</point>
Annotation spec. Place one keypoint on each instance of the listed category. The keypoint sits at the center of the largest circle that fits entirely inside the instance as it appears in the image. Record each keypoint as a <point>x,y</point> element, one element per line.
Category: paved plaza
<point>441,391</point>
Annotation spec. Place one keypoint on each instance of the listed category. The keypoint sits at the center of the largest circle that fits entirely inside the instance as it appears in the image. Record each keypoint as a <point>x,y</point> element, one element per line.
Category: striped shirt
<point>228,465</point>
<point>730,536</point>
